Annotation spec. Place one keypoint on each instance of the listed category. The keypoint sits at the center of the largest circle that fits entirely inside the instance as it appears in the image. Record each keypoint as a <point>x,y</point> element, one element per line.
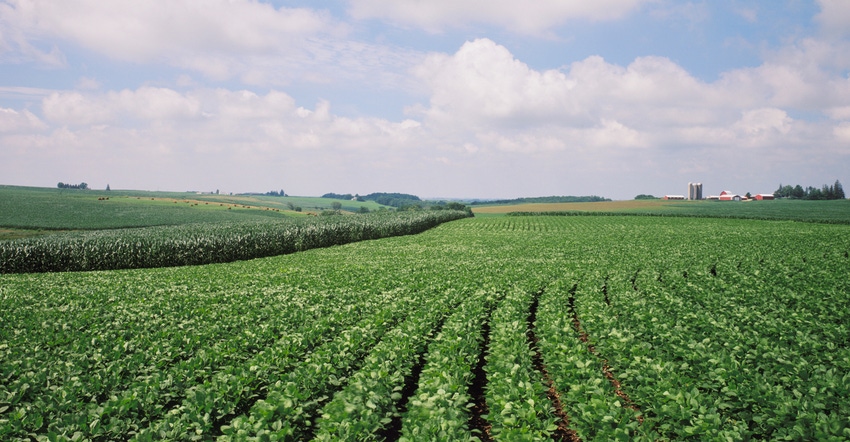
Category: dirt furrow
<point>563,433</point>
<point>606,369</point>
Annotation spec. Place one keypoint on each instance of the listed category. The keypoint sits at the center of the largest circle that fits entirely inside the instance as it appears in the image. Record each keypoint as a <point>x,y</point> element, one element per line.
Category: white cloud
<point>142,31</point>
<point>23,93</point>
<point>762,120</point>
<point>808,74</point>
<point>436,15</point>
<point>147,103</point>
<point>483,82</point>
<point>482,87</point>
<point>12,121</point>
<point>73,108</point>
<point>839,113</point>
<point>221,39</point>
<point>203,138</point>
<point>221,120</point>
<point>650,113</point>
<point>15,45</point>
<point>251,41</point>
<point>834,16</point>
<point>842,133</point>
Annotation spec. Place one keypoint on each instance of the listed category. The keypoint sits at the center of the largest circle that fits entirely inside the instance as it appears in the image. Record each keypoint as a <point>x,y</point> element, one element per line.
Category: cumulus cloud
<point>142,31</point>
<point>762,127</point>
<point>220,120</point>
<point>203,137</point>
<point>842,133</point>
<point>221,39</point>
<point>483,82</point>
<point>591,102</point>
<point>15,45</point>
<point>436,15</point>
<point>247,40</point>
<point>484,100</point>
<point>12,121</point>
<point>834,16</point>
<point>147,103</point>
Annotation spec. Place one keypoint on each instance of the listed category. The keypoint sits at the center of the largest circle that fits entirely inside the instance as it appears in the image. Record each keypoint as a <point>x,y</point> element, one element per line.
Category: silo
<point>694,191</point>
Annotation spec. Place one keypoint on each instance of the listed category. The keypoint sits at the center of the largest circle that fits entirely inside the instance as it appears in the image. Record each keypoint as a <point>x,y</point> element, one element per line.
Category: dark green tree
<point>838,191</point>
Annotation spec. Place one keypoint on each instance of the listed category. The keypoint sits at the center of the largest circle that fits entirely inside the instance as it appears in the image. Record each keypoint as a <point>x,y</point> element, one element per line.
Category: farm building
<point>764,196</point>
<point>729,196</point>
<point>674,197</point>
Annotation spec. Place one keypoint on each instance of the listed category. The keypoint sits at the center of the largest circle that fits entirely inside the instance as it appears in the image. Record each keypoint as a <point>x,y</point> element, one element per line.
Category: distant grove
<point>62,185</point>
<point>833,192</point>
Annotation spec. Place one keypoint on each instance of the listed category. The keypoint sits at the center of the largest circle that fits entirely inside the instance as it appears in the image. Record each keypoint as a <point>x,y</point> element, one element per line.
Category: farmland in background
<point>836,211</point>
<point>34,209</point>
<point>502,328</point>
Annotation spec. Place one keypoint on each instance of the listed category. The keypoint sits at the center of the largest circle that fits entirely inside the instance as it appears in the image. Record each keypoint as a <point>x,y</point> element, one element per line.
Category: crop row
<point>194,244</point>
<point>84,392</point>
<point>518,409</point>
<point>439,408</point>
<point>708,354</point>
<point>291,406</point>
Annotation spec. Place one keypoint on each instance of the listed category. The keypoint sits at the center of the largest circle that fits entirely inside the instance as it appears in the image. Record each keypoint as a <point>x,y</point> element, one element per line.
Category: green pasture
<point>831,212</point>
<point>26,211</point>
<point>834,211</point>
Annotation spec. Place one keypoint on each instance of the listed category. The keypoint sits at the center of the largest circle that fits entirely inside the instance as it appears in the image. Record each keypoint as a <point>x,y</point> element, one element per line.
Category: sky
<point>441,99</point>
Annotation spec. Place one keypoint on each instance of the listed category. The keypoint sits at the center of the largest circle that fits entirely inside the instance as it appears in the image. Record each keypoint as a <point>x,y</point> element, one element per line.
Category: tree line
<point>62,185</point>
<point>833,192</point>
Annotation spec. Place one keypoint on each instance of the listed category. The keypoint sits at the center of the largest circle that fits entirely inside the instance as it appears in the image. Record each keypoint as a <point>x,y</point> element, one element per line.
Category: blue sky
<point>486,99</point>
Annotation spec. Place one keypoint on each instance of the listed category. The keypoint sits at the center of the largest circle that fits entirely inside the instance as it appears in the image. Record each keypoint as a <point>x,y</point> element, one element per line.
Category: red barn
<point>729,196</point>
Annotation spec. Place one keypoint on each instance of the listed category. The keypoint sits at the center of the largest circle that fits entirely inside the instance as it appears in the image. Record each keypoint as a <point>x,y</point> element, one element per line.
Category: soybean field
<point>501,328</point>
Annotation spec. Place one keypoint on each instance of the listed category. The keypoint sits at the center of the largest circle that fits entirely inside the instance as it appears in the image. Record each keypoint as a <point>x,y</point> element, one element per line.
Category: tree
<point>336,205</point>
<point>107,187</point>
<point>838,191</point>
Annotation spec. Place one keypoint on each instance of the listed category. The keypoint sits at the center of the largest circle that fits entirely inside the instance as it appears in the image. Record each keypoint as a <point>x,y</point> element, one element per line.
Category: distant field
<point>837,212</point>
<point>28,211</point>
<point>600,206</point>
